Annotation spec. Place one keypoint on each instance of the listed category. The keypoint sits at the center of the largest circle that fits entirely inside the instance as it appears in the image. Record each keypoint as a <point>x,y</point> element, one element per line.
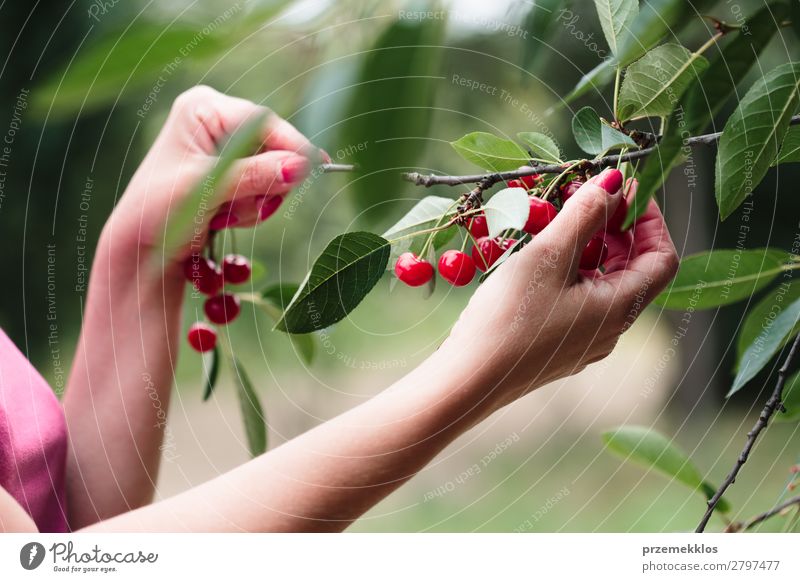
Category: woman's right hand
<point>539,318</point>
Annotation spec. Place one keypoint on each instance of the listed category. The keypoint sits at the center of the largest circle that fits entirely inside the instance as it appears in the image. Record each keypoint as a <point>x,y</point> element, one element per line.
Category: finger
<point>246,212</point>
<point>272,172</point>
<point>620,244</point>
<point>654,259</point>
<point>210,117</point>
<point>583,215</point>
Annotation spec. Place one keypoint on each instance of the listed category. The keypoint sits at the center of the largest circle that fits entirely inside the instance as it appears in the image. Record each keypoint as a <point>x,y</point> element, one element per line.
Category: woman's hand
<point>186,148</point>
<point>117,397</point>
<point>539,318</point>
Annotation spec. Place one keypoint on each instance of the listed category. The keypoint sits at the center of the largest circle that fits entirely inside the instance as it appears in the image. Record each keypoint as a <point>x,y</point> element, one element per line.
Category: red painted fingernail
<point>294,169</point>
<point>268,207</point>
<point>609,180</point>
<point>223,219</point>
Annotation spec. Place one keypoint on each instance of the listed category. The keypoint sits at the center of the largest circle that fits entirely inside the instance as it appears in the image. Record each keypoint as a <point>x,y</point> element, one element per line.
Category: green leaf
<point>595,80</point>
<point>795,16</point>
<point>657,19</point>
<point>790,149</point>
<point>703,100</point>
<point>652,449</point>
<point>211,363</point>
<point>791,400</point>
<point>768,343</point>
<point>760,316</point>
<point>279,295</point>
<point>425,214</point>
<point>539,23</point>
<point>257,271</point>
<point>654,84</point>
<point>508,208</point>
<point>491,152</point>
<point>753,135</point>
<point>616,17</point>
<point>140,59</point>
<point>390,109</point>
<point>180,226</point>
<point>121,59</point>
<point>341,277</point>
<point>595,137</point>
<point>667,155</point>
<point>729,65</point>
<point>721,277</point>
<point>255,424</point>
<point>542,146</point>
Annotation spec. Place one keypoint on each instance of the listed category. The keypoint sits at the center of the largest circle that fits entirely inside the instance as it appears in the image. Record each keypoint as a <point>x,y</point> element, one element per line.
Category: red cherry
<point>236,269</point>
<point>526,182</point>
<point>595,254</point>
<point>203,274</point>
<point>222,309</point>
<point>456,268</point>
<point>507,243</point>
<point>617,219</point>
<point>569,189</point>
<point>412,270</point>
<point>478,227</point>
<point>486,253</point>
<point>540,215</point>
<point>531,181</point>
<point>202,337</point>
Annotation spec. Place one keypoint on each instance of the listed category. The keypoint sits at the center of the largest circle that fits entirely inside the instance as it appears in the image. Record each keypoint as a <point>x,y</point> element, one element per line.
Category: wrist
<point>121,260</point>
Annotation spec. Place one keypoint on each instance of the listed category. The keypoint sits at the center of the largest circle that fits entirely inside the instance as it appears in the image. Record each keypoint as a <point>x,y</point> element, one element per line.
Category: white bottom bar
<point>403,557</point>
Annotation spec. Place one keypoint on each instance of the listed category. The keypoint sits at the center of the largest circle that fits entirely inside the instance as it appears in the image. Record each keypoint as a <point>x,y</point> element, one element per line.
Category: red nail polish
<point>268,207</point>
<point>222,220</point>
<point>294,169</point>
<point>609,180</point>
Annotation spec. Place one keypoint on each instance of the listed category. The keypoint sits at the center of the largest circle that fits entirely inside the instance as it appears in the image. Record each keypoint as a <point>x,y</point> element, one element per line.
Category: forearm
<point>328,477</point>
<point>118,394</point>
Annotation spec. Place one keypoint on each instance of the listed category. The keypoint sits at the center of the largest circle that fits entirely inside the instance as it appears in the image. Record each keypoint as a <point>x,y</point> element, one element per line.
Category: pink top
<point>33,440</point>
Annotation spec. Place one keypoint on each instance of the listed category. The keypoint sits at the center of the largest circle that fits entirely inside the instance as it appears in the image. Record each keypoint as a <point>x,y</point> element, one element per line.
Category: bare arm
<point>326,478</point>
<point>117,397</point>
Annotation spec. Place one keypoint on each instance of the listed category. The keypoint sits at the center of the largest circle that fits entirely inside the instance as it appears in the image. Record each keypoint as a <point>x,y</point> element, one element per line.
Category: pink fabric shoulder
<point>33,440</point>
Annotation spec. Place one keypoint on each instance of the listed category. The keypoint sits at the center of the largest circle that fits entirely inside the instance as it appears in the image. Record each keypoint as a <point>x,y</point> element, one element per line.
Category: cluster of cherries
<point>221,307</point>
<point>458,268</point>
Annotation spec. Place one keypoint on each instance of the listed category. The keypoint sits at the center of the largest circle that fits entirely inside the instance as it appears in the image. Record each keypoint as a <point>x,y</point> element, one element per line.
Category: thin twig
<point>428,180</point>
<point>761,517</point>
<point>773,404</point>
<point>329,168</point>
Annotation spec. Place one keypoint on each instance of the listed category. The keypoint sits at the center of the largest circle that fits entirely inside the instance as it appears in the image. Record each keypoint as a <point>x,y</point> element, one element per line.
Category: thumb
<point>584,214</point>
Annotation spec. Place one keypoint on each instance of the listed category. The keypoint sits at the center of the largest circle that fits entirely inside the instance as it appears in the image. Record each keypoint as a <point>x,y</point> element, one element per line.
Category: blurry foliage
<point>326,66</point>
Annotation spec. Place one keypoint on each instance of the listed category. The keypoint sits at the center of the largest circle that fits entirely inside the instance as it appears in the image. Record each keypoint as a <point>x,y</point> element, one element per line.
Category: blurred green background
<point>386,85</point>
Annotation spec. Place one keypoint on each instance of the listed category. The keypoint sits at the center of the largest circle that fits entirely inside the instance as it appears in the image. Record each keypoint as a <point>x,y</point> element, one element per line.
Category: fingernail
<point>294,169</point>
<point>223,220</point>
<point>609,180</point>
<point>325,157</point>
<point>268,207</point>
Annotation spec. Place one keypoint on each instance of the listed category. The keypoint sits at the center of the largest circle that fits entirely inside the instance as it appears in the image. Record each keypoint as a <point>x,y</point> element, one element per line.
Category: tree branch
<point>761,517</point>
<point>773,404</point>
<point>428,180</point>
